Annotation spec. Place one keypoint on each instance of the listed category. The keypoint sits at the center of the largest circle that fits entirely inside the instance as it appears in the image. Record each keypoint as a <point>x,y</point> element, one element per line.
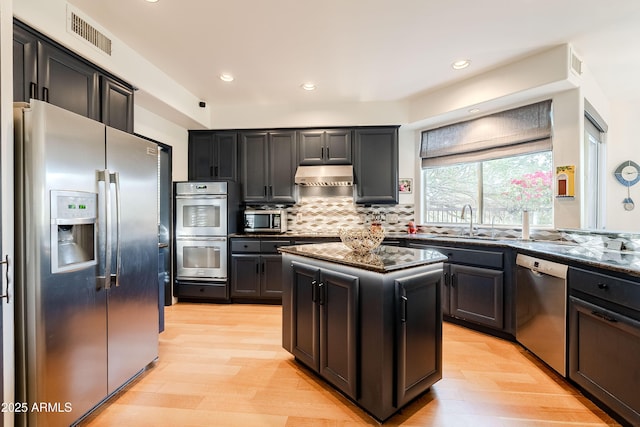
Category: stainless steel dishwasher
<point>541,310</point>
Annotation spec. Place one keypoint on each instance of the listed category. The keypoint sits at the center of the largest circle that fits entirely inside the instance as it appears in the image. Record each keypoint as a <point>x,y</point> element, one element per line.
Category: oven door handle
<point>195,198</point>
<point>188,238</point>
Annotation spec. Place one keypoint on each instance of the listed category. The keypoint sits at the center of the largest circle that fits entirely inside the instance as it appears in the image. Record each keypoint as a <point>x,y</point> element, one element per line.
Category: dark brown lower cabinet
<point>476,294</point>
<point>604,356</point>
<point>256,276</point>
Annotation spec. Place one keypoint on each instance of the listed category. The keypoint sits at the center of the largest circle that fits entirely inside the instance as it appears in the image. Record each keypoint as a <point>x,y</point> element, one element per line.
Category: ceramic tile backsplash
<point>328,214</point>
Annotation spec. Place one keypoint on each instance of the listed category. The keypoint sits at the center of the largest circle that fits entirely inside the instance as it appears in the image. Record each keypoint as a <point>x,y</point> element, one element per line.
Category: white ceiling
<point>365,50</point>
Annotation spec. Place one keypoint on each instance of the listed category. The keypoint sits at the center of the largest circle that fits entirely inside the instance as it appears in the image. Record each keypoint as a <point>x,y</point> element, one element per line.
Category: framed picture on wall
<point>406,185</point>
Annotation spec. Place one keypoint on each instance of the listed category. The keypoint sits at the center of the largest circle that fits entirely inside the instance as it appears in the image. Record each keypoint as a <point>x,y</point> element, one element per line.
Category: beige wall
<point>623,143</point>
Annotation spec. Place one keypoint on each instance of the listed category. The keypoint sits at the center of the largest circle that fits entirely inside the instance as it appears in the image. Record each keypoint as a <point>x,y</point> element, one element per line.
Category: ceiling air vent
<point>88,32</point>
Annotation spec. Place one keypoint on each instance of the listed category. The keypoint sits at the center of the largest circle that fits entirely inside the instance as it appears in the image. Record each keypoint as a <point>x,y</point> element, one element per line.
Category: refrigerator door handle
<point>105,279</point>
<point>115,177</point>
<point>6,278</point>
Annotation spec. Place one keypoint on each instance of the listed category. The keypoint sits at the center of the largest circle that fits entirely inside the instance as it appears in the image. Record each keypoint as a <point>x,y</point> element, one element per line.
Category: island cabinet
<point>267,166</point>
<point>325,315</point>
<point>371,325</point>
<point>324,147</point>
<point>473,289</point>
<point>213,155</point>
<point>604,338</point>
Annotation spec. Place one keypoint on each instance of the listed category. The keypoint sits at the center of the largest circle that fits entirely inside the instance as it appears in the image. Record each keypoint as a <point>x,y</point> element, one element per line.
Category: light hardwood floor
<point>223,365</point>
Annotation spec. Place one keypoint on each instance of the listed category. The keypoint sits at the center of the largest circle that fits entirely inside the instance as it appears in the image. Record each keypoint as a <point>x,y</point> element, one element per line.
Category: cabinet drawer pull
<point>603,286</point>
<point>33,90</point>
<point>604,317</point>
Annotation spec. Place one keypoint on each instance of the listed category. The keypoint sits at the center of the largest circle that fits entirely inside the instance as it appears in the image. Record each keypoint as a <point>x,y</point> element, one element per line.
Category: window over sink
<point>498,190</point>
<point>500,164</point>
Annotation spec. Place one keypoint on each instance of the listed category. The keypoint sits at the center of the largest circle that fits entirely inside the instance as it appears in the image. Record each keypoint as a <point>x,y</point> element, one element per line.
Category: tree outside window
<point>499,190</point>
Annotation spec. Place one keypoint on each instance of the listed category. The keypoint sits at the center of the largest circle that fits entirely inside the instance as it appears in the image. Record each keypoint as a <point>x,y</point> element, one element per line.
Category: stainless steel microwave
<point>265,221</point>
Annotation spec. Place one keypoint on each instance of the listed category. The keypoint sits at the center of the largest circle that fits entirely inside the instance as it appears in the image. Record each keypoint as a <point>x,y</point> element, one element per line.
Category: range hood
<point>325,176</point>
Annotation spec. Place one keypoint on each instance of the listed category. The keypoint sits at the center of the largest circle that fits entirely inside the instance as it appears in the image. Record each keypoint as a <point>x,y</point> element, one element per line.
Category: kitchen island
<point>370,325</point>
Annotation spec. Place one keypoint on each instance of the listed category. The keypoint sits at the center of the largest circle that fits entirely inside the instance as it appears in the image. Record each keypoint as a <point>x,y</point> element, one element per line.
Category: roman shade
<point>508,133</point>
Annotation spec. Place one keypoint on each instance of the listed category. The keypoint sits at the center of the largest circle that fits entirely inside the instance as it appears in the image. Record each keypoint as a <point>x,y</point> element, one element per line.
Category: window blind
<point>508,133</point>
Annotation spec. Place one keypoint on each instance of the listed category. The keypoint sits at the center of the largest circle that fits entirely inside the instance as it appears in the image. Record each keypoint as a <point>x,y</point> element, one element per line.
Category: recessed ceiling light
<point>459,65</point>
<point>474,110</point>
<point>308,86</point>
<point>152,1</point>
<point>226,77</point>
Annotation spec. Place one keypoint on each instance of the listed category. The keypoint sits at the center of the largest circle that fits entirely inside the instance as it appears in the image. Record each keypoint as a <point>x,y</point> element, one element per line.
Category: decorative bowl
<point>361,240</point>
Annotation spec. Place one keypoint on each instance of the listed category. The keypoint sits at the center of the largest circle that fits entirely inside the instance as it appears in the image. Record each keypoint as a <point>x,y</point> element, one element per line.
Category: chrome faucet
<point>470,217</point>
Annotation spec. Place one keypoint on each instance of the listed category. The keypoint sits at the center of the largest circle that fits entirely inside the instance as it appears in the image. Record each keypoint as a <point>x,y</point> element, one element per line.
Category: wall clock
<point>628,173</point>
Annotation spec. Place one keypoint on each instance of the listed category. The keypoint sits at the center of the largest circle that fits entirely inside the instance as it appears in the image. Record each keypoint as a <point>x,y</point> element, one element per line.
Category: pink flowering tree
<point>530,191</point>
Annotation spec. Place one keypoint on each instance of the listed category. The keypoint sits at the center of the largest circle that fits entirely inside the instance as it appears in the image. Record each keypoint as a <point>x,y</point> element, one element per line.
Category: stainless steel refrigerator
<point>86,261</point>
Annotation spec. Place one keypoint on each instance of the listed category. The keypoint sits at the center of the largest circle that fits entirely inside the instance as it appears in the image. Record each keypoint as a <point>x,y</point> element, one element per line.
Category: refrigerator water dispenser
<point>73,230</point>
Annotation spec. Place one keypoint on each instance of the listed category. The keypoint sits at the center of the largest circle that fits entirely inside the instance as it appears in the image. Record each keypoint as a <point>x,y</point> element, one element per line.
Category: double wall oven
<point>205,213</point>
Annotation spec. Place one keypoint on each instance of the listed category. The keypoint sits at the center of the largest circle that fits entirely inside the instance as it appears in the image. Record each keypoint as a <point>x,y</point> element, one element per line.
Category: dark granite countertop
<point>627,262</point>
<point>383,259</point>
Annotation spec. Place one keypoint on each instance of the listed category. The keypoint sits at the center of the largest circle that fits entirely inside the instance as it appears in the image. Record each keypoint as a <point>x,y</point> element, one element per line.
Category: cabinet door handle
<point>322,152</point>
<point>604,317</point>
<point>454,280</point>
<point>321,293</point>
<point>446,279</point>
<point>314,291</point>
<point>33,90</point>
<point>257,268</point>
<point>603,286</point>
<point>271,190</point>
<point>328,155</point>
<point>403,308</point>
<point>263,263</point>
<point>215,171</point>
<point>265,191</point>
<point>45,94</point>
